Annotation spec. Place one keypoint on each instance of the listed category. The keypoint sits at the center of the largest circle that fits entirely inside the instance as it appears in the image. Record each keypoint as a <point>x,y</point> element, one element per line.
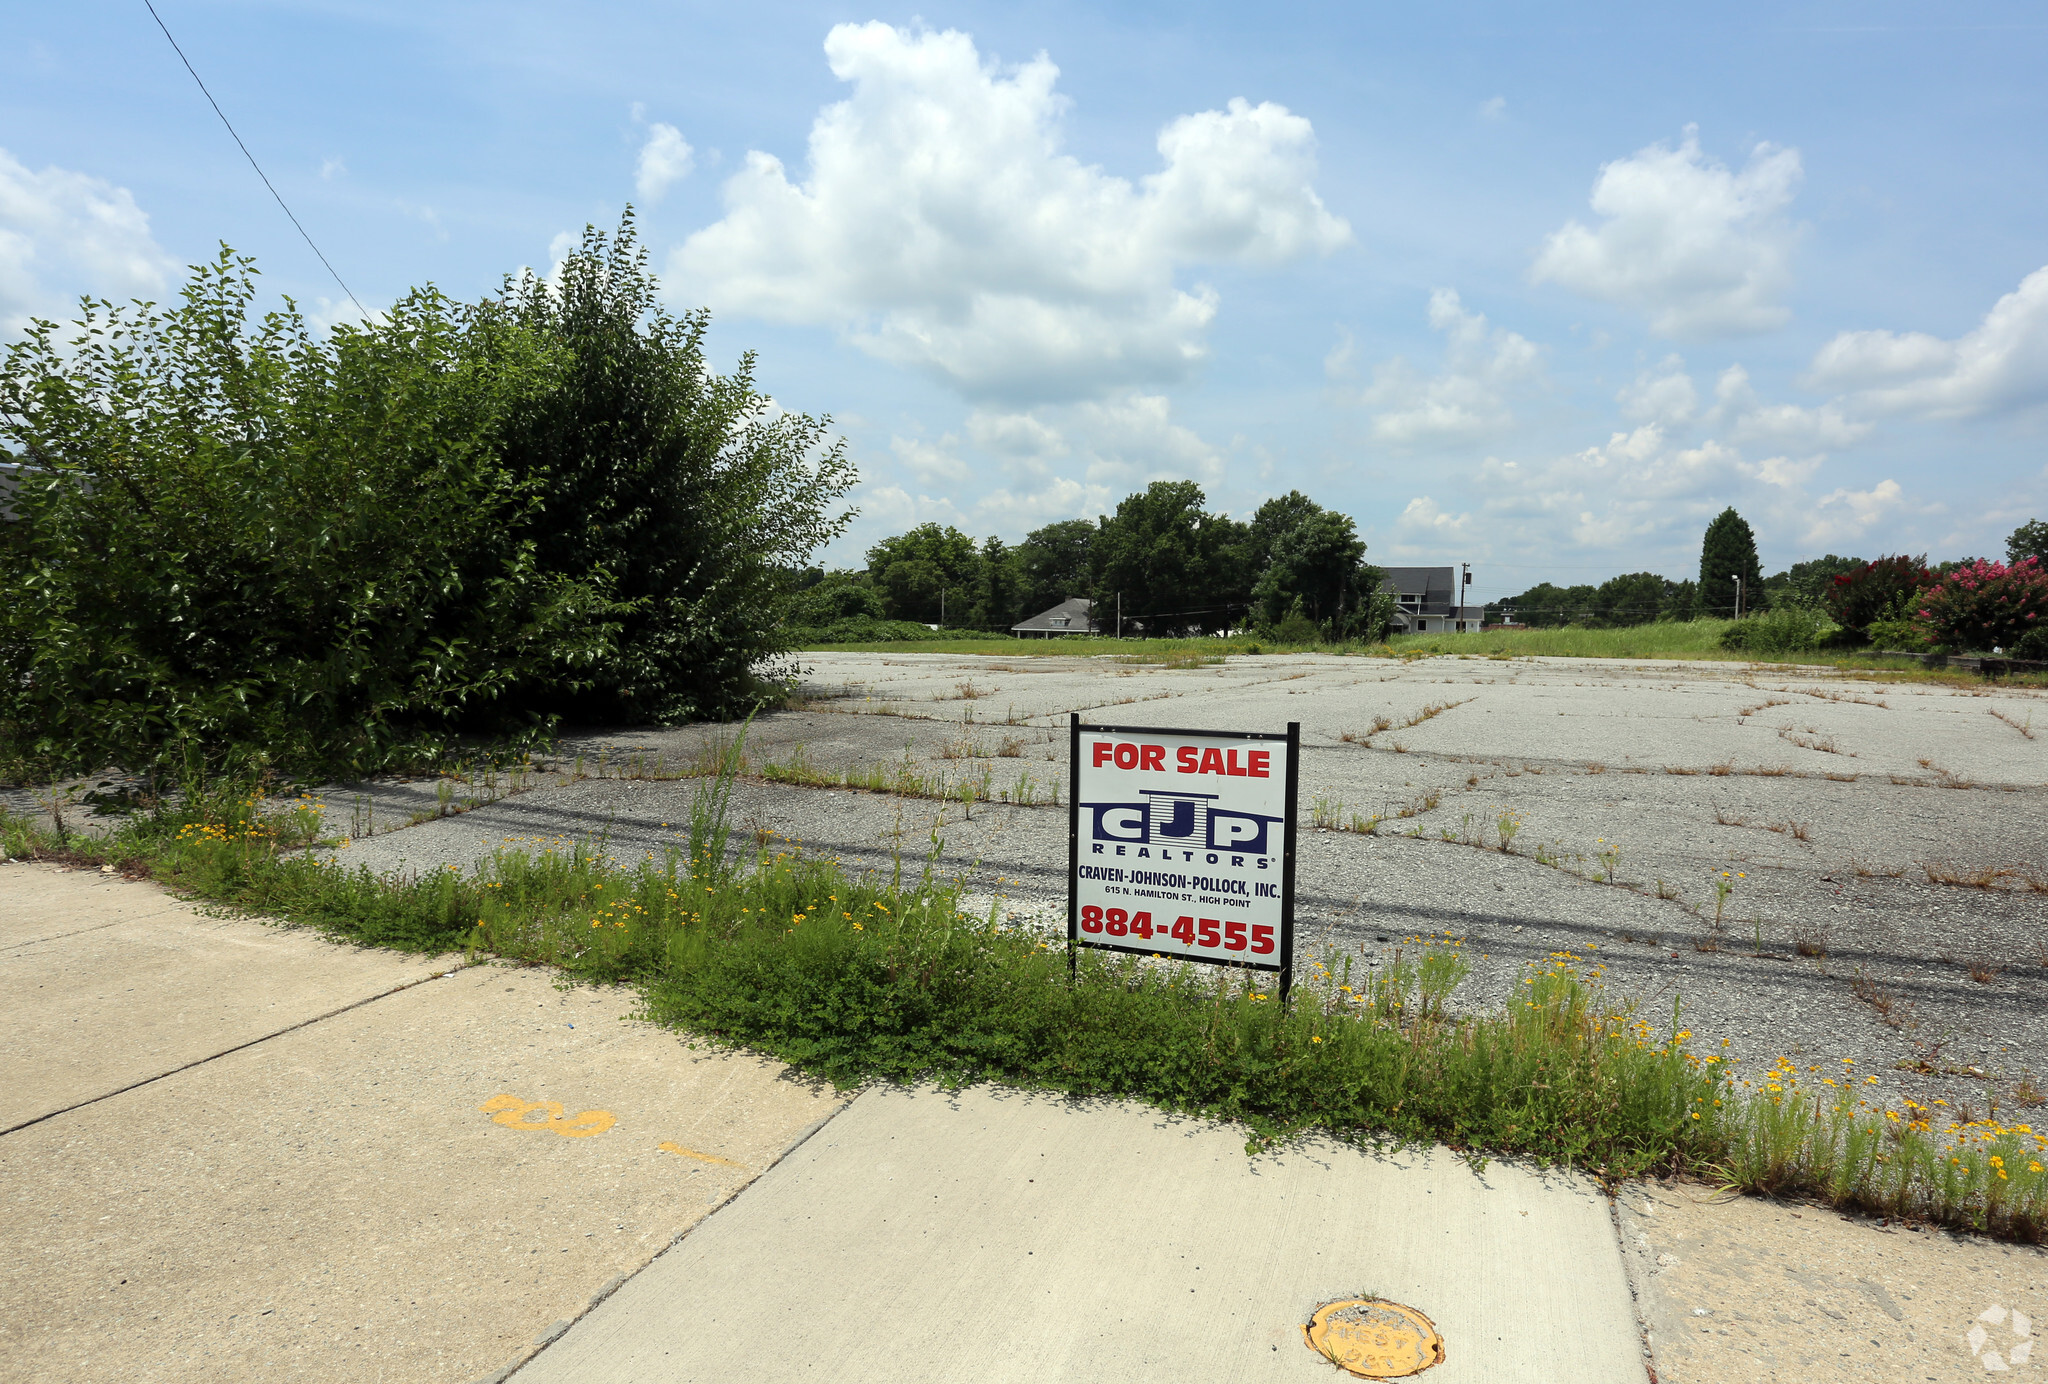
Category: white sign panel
<point>1181,843</point>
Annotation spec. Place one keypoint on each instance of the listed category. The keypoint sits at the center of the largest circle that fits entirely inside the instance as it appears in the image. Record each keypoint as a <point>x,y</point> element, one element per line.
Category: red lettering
<point>1152,757</point>
<point>1262,937</point>
<point>1212,762</point>
<point>1233,936</point>
<point>1259,764</point>
<point>1185,756</point>
<point>1236,769</point>
<point>1126,755</point>
<point>1103,750</point>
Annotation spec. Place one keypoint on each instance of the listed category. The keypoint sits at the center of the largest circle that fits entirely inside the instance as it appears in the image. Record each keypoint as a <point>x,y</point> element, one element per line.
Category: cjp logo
<point>1179,819</point>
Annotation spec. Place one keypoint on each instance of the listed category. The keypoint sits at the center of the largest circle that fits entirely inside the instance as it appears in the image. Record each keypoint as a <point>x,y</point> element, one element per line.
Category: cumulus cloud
<point>1849,514</point>
<point>1129,441</point>
<point>665,160</point>
<point>64,233</point>
<point>1780,425</point>
<point>1468,399</point>
<point>2000,364</point>
<point>1699,249</point>
<point>941,226</point>
<point>1664,395</point>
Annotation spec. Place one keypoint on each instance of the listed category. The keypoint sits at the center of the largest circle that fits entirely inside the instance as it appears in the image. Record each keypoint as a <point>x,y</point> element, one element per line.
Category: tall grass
<point>857,978</point>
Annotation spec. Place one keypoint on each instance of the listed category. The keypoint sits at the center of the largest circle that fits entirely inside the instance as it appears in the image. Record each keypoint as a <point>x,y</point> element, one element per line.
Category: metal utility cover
<point>1373,1338</point>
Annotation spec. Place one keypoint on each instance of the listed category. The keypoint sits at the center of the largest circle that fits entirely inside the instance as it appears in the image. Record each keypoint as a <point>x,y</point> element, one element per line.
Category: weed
<point>1892,1011</point>
<point>1680,772</point>
<point>1983,972</point>
<point>1596,767</point>
<point>1811,942</point>
<point>1430,712</point>
<point>2024,728</point>
<point>1721,770</point>
<point>1729,819</point>
<point>1666,891</point>
<point>1011,748</point>
<point>1508,823</point>
<point>1724,885</point>
<point>1965,876</point>
<point>1749,711</point>
<point>1810,739</point>
<point>2027,1094</point>
<point>1798,831</point>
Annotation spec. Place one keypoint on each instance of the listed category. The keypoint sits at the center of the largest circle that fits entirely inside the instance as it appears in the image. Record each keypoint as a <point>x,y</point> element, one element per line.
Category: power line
<point>247,155</point>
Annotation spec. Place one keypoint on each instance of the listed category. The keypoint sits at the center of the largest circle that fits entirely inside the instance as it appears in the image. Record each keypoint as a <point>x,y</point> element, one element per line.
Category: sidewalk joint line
<point>224,1052</point>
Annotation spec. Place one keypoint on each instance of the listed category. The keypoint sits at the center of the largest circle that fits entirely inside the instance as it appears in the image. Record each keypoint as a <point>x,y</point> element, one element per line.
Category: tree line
<point>1729,572</point>
<point>1163,558</point>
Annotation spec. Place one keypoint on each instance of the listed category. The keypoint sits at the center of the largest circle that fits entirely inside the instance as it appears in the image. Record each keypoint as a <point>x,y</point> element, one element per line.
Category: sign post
<point>1180,843</point>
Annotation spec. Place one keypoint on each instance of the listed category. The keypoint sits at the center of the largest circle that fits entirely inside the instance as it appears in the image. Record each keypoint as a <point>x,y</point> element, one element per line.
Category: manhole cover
<point>1373,1338</point>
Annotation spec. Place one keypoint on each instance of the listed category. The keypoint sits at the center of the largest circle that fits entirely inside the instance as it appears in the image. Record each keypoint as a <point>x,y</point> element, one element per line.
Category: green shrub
<point>1783,629</point>
<point>235,538</point>
<point>240,540</point>
<point>1904,635</point>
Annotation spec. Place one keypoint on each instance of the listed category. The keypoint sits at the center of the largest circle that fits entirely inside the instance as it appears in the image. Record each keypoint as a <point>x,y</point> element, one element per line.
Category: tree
<point>1056,562</point>
<point>1728,552</point>
<point>1990,605</point>
<point>1887,589</point>
<point>1634,599</point>
<point>1681,601</point>
<point>1807,583</point>
<point>1153,553</point>
<point>2028,540</point>
<point>1547,605</point>
<point>690,490</point>
<point>1315,566</point>
<point>999,602</point>
<point>930,572</point>
<point>837,596</point>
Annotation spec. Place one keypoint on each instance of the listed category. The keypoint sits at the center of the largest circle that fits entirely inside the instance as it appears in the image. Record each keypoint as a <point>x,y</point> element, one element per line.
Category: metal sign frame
<point>1283,965</point>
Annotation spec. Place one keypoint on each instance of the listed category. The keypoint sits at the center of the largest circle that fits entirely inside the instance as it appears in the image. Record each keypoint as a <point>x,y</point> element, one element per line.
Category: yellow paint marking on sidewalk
<point>512,1113</point>
<point>666,1147</point>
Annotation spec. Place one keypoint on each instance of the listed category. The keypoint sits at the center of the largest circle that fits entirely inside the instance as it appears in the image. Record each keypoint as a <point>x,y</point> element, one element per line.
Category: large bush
<point>695,494</point>
<point>239,538</point>
<point>1987,605</point>
<point>236,534</point>
<point>1884,590</point>
<point>1782,630</point>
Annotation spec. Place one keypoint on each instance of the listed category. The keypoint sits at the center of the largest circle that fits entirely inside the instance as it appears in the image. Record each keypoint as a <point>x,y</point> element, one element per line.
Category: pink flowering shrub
<point>1988,604</point>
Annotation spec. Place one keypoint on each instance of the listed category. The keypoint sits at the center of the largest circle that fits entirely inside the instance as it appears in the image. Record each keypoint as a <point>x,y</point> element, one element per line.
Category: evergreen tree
<point>1728,551</point>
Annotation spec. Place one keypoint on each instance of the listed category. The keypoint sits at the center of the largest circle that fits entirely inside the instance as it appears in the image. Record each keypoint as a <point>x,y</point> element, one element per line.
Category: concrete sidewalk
<point>420,1187</point>
<point>997,1236</point>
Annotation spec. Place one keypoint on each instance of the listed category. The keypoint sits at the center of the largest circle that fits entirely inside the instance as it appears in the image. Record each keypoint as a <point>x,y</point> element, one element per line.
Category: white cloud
<point>2002,363</point>
<point>1129,441</point>
<point>64,234</point>
<point>1468,399</point>
<point>665,160</point>
<point>1425,520</point>
<point>1493,108</point>
<point>1701,250</point>
<point>1665,395</point>
<point>1779,425</point>
<point>941,226</point>
<point>332,167</point>
<point>1847,514</point>
<point>932,462</point>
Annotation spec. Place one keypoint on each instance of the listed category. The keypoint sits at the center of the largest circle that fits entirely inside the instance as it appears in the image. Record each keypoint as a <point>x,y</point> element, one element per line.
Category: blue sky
<point>1541,295</point>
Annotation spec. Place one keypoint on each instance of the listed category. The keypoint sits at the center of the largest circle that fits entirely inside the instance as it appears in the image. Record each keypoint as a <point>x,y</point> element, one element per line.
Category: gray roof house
<point>1068,617</point>
<point>1426,601</point>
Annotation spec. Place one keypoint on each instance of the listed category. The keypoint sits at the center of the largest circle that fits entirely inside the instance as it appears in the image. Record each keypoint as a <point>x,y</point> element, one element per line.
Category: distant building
<point>1426,601</point>
<point>1068,617</point>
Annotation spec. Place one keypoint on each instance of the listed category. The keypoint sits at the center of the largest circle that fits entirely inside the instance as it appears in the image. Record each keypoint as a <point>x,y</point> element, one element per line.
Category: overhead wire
<point>151,7</point>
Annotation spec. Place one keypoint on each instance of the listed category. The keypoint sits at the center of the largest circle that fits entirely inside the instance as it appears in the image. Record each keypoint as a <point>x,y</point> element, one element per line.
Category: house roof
<point>1072,612</point>
<point>1437,586</point>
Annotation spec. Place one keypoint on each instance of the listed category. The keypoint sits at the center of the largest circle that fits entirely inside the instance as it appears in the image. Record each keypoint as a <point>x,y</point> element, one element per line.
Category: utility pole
<point>1119,614</point>
<point>1463,590</point>
<point>1738,598</point>
<point>942,607</point>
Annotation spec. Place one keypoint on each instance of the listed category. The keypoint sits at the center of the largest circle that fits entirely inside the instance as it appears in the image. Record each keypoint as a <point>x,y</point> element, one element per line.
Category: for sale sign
<point>1181,843</point>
